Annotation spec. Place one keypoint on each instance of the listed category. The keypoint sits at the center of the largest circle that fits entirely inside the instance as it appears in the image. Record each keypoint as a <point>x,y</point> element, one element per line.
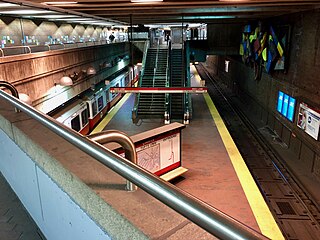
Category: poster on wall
<point>309,120</point>
<point>160,153</point>
<point>158,150</point>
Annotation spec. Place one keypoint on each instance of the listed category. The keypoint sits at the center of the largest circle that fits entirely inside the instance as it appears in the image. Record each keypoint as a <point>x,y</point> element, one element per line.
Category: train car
<point>86,112</point>
<point>75,116</point>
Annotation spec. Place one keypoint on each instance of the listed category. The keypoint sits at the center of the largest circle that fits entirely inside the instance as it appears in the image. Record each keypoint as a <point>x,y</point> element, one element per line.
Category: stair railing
<point>209,218</point>
<point>187,83</point>
<point>168,80</point>
<point>137,97</point>
<point>154,72</point>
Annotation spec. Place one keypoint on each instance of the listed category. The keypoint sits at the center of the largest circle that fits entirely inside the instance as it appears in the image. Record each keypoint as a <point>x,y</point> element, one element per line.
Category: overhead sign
<point>159,89</point>
<point>309,120</point>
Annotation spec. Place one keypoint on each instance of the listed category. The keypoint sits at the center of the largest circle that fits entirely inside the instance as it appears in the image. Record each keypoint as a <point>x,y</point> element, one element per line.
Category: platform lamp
<point>22,96</point>
<point>91,71</point>
<point>66,81</point>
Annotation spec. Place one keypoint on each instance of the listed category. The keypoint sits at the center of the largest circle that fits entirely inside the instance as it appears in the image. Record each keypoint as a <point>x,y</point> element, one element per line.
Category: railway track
<point>294,210</point>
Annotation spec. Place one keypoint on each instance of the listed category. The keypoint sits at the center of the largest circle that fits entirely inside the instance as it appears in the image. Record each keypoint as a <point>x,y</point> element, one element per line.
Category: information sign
<point>308,120</point>
<point>158,150</point>
<point>292,103</point>
<point>280,101</point>
<point>286,105</point>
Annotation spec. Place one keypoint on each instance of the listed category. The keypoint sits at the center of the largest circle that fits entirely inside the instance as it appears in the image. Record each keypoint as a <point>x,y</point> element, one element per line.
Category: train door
<point>84,118</point>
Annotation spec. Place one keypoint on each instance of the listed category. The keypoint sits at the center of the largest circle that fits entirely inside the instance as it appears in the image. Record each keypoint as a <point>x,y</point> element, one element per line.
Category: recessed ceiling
<point>175,11</point>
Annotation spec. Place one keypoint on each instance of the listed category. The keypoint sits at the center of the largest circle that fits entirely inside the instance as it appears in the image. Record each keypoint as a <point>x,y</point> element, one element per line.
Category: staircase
<point>152,105</point>
<point>177,80</point>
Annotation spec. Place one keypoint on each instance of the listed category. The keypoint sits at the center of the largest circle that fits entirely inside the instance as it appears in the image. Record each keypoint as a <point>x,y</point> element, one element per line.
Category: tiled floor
<point>15,223</point>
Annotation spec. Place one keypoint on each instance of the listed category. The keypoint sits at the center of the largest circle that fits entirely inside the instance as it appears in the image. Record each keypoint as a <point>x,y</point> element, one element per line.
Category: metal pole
<point>202,214</point>
<point>125,141</point>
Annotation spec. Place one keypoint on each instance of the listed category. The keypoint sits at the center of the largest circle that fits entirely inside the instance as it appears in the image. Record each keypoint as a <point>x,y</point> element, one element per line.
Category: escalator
<point>177,80</point>
<point>152,105</point>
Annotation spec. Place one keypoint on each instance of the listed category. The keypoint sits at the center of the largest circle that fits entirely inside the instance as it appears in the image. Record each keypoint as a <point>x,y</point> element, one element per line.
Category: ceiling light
<point>91,71</point>
<point>3,5</point>
<point>59,3</point>
<point>53,16</point>
<point>25,12</point>
<point>145,1</point>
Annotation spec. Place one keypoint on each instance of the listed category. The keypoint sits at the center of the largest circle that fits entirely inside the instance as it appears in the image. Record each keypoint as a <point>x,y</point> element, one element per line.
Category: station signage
<point>158,150</point>
<point>308,120</point>
<point>286,105</point>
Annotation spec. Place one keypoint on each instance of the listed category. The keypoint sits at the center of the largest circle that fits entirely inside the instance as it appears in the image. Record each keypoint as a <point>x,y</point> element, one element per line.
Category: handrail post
<point>28,47</point>
<point>13,90</point>
<point>125,141</point>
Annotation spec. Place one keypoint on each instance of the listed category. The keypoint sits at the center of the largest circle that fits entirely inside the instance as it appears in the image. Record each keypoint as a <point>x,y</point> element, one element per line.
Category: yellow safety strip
<point>111,114</point>
<point>263,216</point>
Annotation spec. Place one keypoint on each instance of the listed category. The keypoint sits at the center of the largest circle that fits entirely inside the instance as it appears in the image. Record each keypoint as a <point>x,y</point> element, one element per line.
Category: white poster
<point>309,120</point>
<point>159,153</point>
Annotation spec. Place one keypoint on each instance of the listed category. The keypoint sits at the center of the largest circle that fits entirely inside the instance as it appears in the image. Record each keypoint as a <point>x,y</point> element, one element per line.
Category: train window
<point>115,94</point>
<point>94,108</point>
<point>100,103</point>
<point>75,123</point>
<point>84,117</point>
<point>126,80</point>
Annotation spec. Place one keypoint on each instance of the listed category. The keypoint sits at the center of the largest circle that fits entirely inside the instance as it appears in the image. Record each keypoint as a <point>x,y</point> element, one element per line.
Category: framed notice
<point>158,150</point>
<point>309,120</point>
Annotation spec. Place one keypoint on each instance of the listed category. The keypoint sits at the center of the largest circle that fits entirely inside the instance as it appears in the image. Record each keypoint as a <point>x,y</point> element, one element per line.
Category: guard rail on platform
<point>202,214</point>
<point>17,50</point>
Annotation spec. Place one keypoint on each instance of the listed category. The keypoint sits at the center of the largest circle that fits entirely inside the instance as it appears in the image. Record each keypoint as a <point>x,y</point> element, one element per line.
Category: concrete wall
<point>300,80</point>
<point>224,39</point>
<point>62,205</point>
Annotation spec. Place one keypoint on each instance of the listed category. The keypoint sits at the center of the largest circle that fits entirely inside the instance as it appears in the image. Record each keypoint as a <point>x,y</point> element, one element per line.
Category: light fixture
<point>25,12</point>
<point>22,96</point>
<point>59,3</point>
<point>145,1</point>
<point>91,71</point>
<point>66,81</point>
<point>25,98</point>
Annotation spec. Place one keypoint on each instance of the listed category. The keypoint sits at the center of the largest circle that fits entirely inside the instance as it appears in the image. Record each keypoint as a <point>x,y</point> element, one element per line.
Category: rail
<point>204,215</point>
<point>168,84</point>
<point>17,50</point>
<point>186,82</point>
<point>137,98</point>
<point>125,141</point>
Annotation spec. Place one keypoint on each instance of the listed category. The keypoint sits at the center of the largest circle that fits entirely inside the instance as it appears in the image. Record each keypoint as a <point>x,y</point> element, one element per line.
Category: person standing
<point>111,37</point>
<point>167,38</point>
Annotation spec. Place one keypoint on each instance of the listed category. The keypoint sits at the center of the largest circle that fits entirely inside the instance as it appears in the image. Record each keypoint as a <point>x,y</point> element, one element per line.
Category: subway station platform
<point>216,174</point>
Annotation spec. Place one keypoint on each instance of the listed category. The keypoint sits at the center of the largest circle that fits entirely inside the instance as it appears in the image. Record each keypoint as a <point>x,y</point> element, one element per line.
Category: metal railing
<point>202,214</point>
<point>125,141</point>
<point>168,84</point>
<point>137,98</point>
<point>17,50</point>
<point>187,82</point>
